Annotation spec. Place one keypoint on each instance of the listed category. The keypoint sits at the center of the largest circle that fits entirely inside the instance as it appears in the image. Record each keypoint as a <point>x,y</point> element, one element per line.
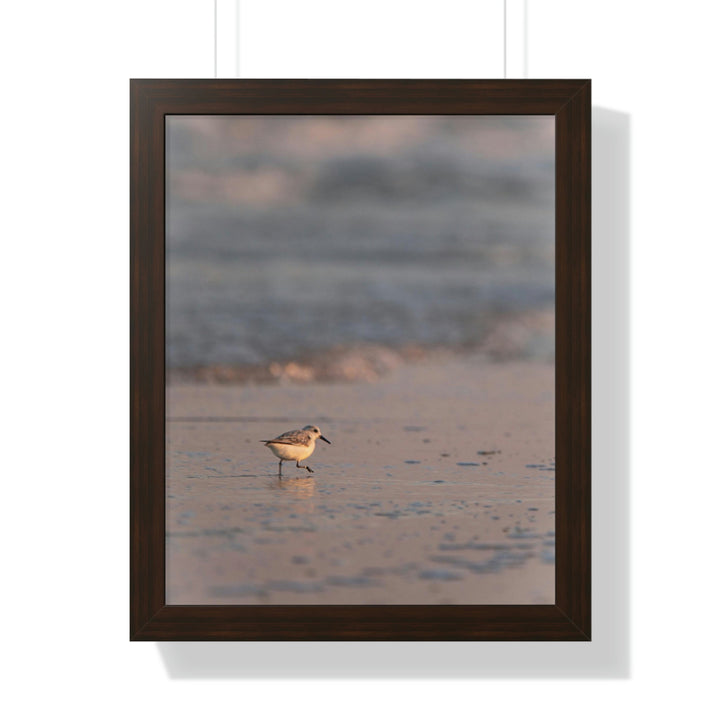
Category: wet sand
<point>438,489</point>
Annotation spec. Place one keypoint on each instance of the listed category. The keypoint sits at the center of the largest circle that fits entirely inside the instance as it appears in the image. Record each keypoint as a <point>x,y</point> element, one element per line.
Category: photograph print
<point>360,359</point>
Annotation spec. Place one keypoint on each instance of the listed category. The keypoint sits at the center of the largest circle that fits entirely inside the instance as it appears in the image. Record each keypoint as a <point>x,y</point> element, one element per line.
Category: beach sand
<point>438,488</point>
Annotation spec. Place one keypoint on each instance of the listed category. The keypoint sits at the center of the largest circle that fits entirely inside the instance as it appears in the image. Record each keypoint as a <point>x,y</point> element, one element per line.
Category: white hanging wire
<point>226,38</point>
<point>505,39</point>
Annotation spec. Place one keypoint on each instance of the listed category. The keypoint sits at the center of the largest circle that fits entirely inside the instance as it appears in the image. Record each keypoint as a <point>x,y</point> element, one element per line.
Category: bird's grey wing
<point>292,437</point>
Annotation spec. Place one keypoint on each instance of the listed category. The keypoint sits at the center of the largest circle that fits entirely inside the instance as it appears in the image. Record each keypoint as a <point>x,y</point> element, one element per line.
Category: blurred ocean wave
<point>367,238</point>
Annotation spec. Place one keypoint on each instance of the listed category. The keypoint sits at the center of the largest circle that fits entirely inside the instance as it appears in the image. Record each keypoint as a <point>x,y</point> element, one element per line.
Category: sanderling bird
<point>295,445</point>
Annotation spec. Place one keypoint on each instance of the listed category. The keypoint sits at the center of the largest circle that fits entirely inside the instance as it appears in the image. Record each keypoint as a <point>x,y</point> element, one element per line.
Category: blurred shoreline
<point>512,337</point>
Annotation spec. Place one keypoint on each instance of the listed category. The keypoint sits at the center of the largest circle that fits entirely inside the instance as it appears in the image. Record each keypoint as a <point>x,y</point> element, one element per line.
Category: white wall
<point>64,293</point>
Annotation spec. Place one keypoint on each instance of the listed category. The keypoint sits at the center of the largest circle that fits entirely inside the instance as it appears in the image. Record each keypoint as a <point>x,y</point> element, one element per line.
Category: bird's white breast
<point>292,452</point>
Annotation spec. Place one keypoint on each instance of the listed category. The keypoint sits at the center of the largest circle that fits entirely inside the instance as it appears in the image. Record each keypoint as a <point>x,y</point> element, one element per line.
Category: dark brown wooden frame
<point>150,617</point>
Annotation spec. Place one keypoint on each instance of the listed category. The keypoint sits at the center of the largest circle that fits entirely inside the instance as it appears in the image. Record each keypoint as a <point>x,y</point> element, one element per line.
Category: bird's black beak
<point>322,437</point>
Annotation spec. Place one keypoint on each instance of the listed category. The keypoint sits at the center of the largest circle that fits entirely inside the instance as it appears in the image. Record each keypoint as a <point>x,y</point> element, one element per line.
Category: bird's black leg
<point>280,468</point>
<point>304,467</point>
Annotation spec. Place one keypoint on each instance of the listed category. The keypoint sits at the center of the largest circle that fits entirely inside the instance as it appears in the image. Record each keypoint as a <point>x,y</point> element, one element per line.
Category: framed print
<point>360,360</point>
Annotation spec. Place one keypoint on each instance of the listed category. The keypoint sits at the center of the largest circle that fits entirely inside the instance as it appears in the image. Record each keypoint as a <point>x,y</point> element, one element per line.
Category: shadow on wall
<point>608,655</point>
